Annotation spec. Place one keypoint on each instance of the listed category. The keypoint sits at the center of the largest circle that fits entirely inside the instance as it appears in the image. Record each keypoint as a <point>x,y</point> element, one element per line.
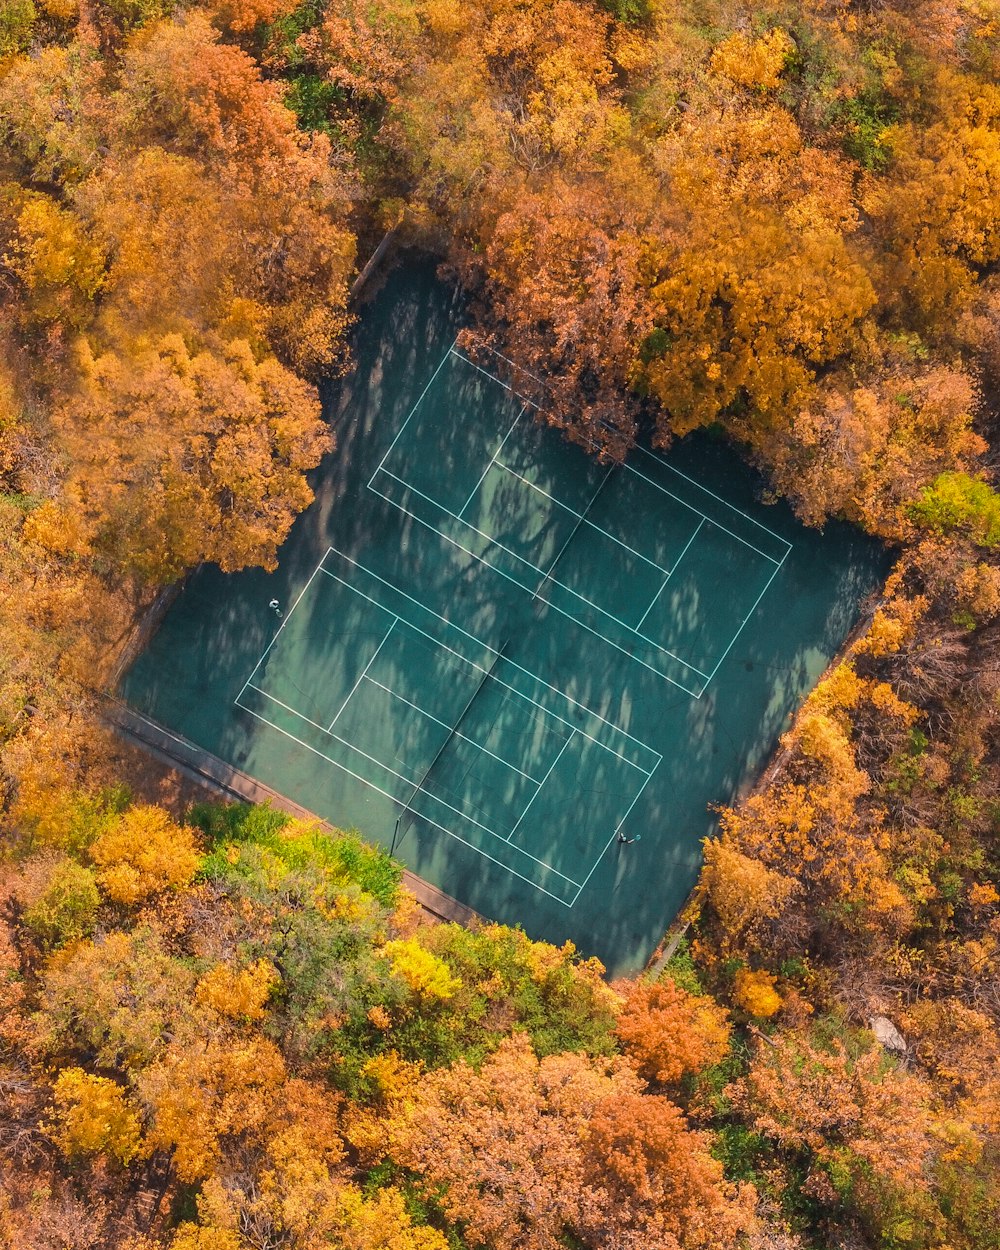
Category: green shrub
<point>64,904</point>
<point>17,20</point>
<point>958,502</point>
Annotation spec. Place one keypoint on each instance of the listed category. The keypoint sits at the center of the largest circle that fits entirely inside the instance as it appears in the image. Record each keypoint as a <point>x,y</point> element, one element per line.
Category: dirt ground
<point>153,781</point>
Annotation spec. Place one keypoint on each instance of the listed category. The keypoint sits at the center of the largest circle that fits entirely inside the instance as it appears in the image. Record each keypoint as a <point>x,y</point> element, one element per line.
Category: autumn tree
<point>655,1182</point>
<point>143,854</point>
<point>669,1032</point>
<point>199,484</point>
<point>528,1150</point>
<point>91,1115</point>
<point>868,1128</point>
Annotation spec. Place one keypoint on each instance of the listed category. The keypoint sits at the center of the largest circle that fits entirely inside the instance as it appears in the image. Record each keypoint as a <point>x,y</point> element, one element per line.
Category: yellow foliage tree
<point>189,1236</point>
<point>50,252</point>
<point>144,853</point>
<point>238,992</point>
<point>750,62</point>
<point>425,974</point>
<point>197,1096</point>
<point>372,1127</point>
<point>381,1222</point>
<point>92,1115</point>
<point>755,993</point>
<point>743,890</point>
<point>193,486</point>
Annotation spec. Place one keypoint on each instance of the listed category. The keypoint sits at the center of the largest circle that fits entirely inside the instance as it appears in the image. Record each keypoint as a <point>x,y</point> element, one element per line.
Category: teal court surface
<point>529,675</point>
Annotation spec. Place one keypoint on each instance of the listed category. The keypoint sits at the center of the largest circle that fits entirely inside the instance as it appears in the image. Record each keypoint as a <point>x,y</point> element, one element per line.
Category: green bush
<point>17,20</point>
<point>65,908</point>
<point>344,857</point>
<point>958,502</point>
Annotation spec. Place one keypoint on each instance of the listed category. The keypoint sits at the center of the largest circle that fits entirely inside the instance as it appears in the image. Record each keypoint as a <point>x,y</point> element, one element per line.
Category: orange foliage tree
<point>527,1150</point>
<point>670,1033</point>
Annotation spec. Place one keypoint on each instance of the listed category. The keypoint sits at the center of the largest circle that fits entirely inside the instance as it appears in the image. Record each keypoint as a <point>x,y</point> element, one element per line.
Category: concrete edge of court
<point>215,774</point>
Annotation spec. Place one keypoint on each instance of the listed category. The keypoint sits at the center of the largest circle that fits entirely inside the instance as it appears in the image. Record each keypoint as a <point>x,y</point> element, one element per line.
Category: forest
<point>223,1030</point>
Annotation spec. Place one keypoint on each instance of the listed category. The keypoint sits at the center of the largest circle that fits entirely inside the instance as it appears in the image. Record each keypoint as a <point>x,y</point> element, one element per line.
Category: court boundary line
<point>743,624</point>
<point>554,606</point>
<point>399,776</point>
<point>711,493</point>
<point>548,774</point>
<point>392,798</point>
<point>493,460</point>
<point>277,633</point>
<point>573,512</point>
<point>670,495</point>
<point>513,689</point>
<point>663,585</point>
<point>611,840</point>
<point>420,400</point>
<point>371,661</point>
<point>582,520</point>
<point>493,652</point>
<point>539,708</point>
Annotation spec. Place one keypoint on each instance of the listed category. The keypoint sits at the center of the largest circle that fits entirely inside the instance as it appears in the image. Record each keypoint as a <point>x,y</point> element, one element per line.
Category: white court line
<point>459,355</point>
<point>651,455</point>
<point>670,495</point>
<point>777,570</point>
<point>615,729</point>
<point>555,607</point>
<point>527,698</point>
<point>554,581</point>
<point>462,815</point>
<point>500,356</point>
<point>400,777</point>
<point>513,472</point>
<point>613,838</point>
<point>542,783</point>
<point>649,608</point>
<point>444,725</point>
<point>416,405</point>
<point>643,477</point>
<point>371,661</point>
<point>378,789</point>
<point>492,461</point>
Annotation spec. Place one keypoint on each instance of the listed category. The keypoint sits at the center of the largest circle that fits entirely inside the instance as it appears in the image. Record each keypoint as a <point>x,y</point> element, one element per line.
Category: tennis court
<point>455,727</point>
<point>527,674</point>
